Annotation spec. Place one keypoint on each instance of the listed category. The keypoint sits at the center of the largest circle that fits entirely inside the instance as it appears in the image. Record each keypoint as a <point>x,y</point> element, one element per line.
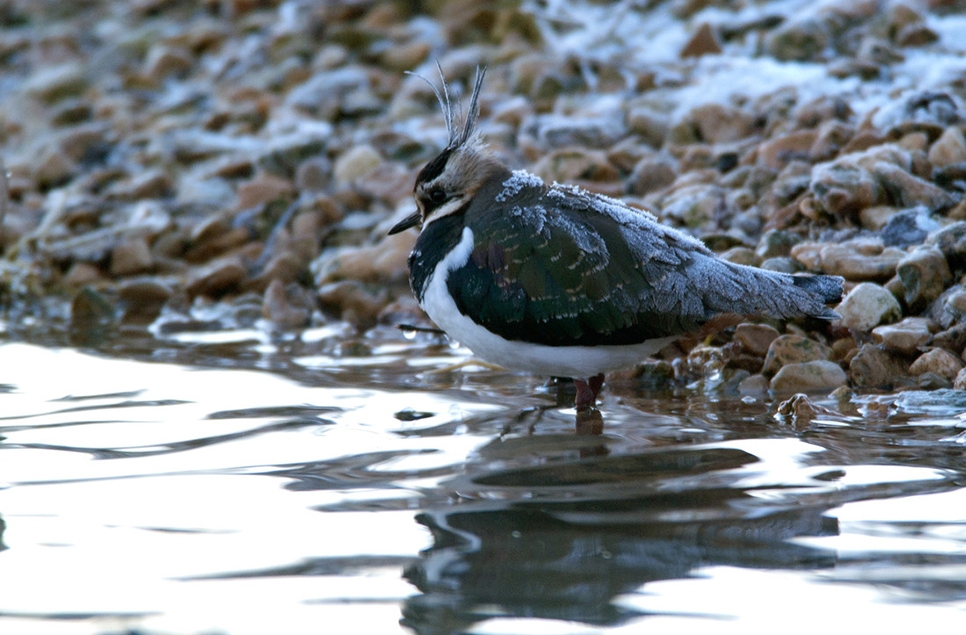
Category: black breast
<point>436,240</point>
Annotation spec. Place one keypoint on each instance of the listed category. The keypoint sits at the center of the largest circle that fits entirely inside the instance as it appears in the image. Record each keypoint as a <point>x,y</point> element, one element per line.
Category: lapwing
<point>555,280</point>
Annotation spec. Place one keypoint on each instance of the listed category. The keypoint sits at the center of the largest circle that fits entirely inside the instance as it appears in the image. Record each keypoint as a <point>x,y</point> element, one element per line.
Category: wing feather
<point>580,269</point>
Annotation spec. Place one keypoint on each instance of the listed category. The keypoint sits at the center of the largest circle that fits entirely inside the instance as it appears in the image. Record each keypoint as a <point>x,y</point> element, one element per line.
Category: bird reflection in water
<point>561,540</point>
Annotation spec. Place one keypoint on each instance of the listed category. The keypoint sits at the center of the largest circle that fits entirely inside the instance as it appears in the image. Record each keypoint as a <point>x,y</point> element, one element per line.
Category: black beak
<point>410,221</point>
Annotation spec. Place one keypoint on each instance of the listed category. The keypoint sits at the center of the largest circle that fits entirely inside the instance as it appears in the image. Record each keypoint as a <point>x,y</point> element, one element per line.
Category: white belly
<point>558,361</point>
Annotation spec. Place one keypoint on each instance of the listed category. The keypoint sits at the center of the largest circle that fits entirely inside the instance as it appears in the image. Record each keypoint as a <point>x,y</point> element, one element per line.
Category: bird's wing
<point>564,272</point>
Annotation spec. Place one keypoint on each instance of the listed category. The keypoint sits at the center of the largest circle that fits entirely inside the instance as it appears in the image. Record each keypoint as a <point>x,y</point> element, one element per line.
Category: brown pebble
<point>858,260</point>
<point>131,256</point>
<point>938,361</point>
<point>262,189</point>
<point>949,148</point>
<point>217,245</point>
<point>217,278</point>
<point>82,274</point>
<point>815,376</point>
<point>704,41</point>
<point>872,367</point>
<point>793,349</point>
<point>755,338</point>
<point>353,302</point>
<point>287,306</point>
<point>905,337</point>
<point>145,291</point>
<point>778,152</point>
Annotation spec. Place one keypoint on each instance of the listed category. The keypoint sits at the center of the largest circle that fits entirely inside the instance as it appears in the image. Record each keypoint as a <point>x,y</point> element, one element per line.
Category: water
<point>196,481</point>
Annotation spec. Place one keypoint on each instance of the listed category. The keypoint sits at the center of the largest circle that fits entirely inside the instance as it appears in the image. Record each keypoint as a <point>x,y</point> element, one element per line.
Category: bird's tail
<point>750,291</point>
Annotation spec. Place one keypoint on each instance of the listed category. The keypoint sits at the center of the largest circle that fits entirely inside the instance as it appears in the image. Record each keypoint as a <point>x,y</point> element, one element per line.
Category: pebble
<point>217,278</point>
<point>131,256</point>
<point>951,241</point>
<point>907,190</point>
<point>355,163</point>
<point>960,382</point>
<point>868,305</point>
<point>754,386</point>
<point>854,260</point>
<point>906,227</point>
<point>938,361</point>
<point>704,41</point>
<point>814,376</point>
<point>716,123</point>
<point>651,174</point>
<point>755,338</point>
<point>57,82</point>
<point>845,187</point>
<point>779,151</point>
<point>262,189</point>
<point>793,349</point>
<point>904,337</point>
<point>353,302</point>
<point>287,306</point>
<point>924,274</point>
<point>382,262</point>
<point>873,367</point>
<point>949,148</point>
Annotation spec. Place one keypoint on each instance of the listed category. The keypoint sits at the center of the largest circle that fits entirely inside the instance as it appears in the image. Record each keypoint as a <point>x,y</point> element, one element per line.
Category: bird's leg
<point>587,391</point>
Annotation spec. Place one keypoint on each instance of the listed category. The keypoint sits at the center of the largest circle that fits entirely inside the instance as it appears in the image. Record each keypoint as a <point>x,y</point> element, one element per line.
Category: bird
<point>554,280</point>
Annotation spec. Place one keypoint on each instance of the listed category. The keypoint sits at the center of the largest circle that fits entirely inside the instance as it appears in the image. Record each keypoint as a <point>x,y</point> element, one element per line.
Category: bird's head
<point>448,183</point>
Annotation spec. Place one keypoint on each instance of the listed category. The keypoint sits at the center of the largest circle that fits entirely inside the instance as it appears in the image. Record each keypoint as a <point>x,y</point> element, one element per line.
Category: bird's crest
<point>460,129</point>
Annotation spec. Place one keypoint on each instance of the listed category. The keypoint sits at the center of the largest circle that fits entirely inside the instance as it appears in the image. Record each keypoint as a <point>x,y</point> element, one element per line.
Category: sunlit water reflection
<point>236,482</point>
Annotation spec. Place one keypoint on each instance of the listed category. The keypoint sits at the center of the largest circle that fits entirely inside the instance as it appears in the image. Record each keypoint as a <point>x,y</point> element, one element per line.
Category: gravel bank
<point>165,157</point>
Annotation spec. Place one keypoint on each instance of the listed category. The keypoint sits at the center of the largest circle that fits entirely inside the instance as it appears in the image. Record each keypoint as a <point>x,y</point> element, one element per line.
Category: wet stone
<point>960,382</point>
<point>353,302</point>
<point>873,367</point>
<point>952,339</point>
<point>755,338</point>
<point>813,376</point>
<point>287,306</point>
<point>217,278</point>
<point>793,349</point>
<point>868,305</point>
<point>82,274</point>
<point>938,361</point>
<point>754,386</point>
<point>382,262</point>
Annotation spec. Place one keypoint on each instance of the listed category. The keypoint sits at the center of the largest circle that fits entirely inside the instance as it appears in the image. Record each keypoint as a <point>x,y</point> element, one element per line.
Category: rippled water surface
<point>232,482</point>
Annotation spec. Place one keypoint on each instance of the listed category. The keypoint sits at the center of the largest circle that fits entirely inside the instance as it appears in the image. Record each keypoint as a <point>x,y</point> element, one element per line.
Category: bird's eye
<point>437,195</point>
